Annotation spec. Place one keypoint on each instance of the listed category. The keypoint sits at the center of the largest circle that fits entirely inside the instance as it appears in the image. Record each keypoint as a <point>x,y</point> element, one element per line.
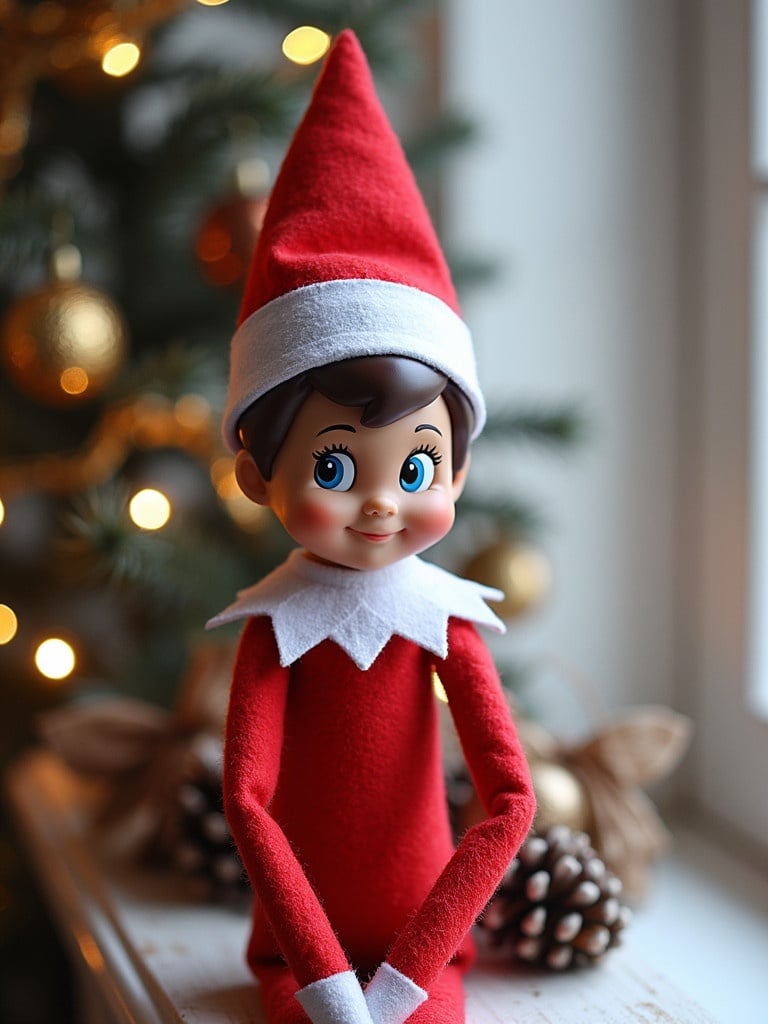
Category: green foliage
<point>514,516</point>
<point>561,427</point>
<point>26,216</point>
<point>437,141</point>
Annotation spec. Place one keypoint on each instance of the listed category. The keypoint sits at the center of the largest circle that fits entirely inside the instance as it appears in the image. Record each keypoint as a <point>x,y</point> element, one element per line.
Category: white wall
<point>574,187</point>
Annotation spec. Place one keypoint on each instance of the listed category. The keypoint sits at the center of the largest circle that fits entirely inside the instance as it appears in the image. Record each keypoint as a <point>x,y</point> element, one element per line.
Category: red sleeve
<point>500,772</point>
<point>253,743</point>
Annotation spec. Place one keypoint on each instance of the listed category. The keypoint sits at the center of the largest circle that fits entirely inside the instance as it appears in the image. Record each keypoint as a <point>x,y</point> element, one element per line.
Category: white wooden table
<point>146,952</point>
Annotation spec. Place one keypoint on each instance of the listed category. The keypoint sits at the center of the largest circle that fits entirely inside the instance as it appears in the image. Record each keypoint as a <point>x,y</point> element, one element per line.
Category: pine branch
<point>189,166</point>
<point>516,517</point>
<point>564,427</point>
<point>432,143</point>
<point>27,215</point>
<point>272,104</point>
<point>470,271</point>
<point>363,16</point>
<point>25,228</point>
<point>322,13</point>
<point>175,370</point>
<point>177,571</point>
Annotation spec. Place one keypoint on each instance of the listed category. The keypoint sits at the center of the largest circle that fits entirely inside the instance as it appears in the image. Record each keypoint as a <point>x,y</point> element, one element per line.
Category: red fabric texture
<point>334,791</point>
<point>345,204</point>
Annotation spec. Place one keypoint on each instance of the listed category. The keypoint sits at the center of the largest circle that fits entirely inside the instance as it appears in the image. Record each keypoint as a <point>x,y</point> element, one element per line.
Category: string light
<point>51,38</point>
<point>55,658</point>
<point>8,624</point>
<point>149,509</point>
<point>121,58</point>
<point>306,44</point>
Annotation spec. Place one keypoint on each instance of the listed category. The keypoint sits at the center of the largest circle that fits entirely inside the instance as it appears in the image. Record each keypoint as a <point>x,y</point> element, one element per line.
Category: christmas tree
<point>137,145</point>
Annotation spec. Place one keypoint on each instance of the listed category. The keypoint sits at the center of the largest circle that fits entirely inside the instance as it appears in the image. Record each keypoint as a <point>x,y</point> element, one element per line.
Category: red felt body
<point>334,791</point>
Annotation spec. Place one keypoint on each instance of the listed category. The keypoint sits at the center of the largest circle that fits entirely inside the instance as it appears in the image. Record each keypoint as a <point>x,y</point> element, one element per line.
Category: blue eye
<point>417,472</point>
<point>334,470</point>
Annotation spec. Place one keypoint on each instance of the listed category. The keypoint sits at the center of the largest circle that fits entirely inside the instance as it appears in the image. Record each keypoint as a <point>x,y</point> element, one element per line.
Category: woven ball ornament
<point>558,905</point>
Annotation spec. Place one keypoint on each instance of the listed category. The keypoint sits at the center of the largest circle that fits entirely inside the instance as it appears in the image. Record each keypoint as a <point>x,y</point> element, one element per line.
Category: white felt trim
<point>309,602</point>
<point>338,999</point>
<point>323,323</point>
<point>392,996</point>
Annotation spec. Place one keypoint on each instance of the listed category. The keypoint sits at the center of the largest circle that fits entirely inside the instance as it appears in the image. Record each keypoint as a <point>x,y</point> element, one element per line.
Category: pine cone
<point>203,846</point>
<point>558,905</point>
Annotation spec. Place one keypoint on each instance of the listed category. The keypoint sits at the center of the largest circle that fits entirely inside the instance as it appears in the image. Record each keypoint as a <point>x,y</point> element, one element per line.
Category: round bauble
<point>63,343</point>
<point>519,570</point>
<point>227,237</point>
<point>560,797</point>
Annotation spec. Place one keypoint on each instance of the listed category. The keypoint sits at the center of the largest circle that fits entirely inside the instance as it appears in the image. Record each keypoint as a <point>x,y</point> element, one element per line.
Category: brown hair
<point>386,387</point>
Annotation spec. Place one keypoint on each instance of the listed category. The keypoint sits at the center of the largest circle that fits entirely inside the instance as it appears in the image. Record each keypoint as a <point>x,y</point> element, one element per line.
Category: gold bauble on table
<point>561,798</point>
<point>64,342</point>
<point>519,570</point>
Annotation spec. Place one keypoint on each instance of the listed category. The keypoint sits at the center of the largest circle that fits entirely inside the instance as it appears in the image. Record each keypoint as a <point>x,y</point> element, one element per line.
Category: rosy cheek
<point>437,517</point>
<point>315,514</point>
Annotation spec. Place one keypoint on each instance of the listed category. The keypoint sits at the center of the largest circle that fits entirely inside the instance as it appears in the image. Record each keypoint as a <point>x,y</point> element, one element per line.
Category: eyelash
<point>429,450</point>
<point>329,449</point>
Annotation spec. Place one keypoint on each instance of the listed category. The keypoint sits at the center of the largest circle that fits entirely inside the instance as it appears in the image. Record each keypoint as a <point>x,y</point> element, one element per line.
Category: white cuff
<point>337,999</point>
<point>391,996</point>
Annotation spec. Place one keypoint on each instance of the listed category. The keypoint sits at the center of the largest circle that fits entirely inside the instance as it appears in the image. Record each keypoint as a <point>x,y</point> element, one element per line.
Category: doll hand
<point>391,996</point>
<point>337,999</point>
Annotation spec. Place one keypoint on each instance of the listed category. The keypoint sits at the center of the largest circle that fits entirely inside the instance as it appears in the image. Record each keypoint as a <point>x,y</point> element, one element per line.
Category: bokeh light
<point>9,624</point>
<point>306,44</point>
<point>121,58</point>
<point>149,509</point>
<point>55,658</point>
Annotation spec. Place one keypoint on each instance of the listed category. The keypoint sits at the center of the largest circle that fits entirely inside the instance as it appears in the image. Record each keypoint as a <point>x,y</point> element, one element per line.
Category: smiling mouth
<point>375,538</point>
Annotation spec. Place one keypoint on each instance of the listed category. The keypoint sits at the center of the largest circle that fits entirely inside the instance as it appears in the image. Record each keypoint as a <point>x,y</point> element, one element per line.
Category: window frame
<point>717,484</point>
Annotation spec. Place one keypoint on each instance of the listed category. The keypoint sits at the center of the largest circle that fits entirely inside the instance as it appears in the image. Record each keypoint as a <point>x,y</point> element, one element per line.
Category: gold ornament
<point>519,570</point>
<point>65,342</point>
<point>560,797</point>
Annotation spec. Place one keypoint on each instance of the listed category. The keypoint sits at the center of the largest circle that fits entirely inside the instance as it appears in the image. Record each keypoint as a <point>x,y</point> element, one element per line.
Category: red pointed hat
<point>347,263</point>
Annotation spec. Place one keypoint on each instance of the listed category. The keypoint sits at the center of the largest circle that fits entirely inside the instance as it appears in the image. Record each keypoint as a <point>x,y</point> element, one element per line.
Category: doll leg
<point>278,988</point>
<point>446,1000</point>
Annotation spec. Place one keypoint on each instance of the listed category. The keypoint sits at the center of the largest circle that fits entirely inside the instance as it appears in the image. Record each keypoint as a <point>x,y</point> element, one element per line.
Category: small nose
<point>379,505</point>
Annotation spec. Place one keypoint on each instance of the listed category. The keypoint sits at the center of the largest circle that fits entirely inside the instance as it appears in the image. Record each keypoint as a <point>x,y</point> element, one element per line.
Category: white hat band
<point>326,322</point>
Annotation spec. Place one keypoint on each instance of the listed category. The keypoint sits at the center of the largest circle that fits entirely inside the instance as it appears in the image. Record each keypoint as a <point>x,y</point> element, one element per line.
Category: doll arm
<point>331,993</point>
<point>501,775</point>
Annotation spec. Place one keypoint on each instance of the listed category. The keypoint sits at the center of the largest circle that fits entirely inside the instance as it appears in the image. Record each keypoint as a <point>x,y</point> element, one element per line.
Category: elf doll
<point>353,399</point>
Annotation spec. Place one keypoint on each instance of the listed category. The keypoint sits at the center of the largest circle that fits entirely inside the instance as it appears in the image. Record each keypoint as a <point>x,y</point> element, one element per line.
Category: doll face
<point>356,496</point>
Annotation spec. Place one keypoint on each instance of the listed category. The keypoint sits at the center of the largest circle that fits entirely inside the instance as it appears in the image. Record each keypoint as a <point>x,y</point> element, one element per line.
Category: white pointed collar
<point>309,602</point>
